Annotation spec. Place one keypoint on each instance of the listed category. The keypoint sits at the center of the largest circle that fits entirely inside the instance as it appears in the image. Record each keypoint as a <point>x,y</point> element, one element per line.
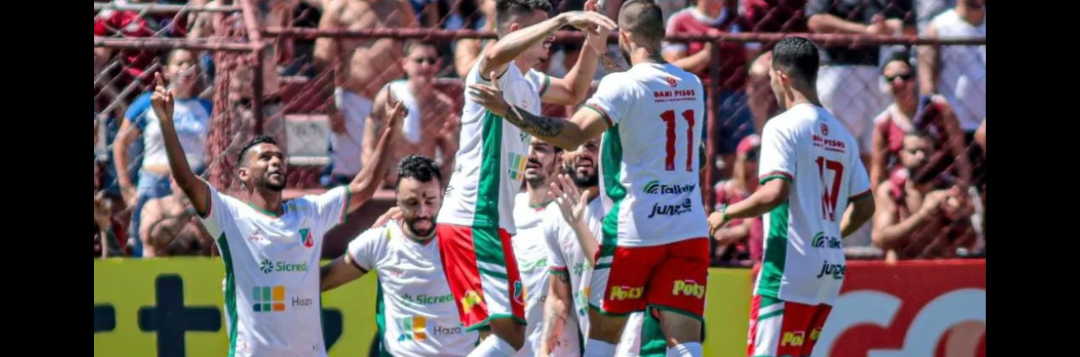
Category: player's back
<point>649,156</point>
<point>804,257</point>
<point>490,162</point>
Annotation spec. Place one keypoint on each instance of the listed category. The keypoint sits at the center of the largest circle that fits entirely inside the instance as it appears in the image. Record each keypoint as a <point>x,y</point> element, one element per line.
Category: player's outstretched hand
<point>716,221</point>
<point>395,113</point>
<point>584,20</point>
<point>490,97</point>
<point>570,200</point>
<point>162,100</point>
<point>596,36</point>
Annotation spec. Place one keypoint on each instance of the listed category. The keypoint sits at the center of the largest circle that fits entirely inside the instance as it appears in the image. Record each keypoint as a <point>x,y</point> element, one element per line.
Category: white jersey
<point>532,256</point>
<point>963,69</point>
<point>419,315</point>
<point>490,163</point>
<point>804,256</point>
<point>567,257</point>
<point>649,155</point>
<point>272,271</point>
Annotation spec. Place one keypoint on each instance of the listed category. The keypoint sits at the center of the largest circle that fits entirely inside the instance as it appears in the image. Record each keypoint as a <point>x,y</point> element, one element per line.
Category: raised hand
<point>490,97</point>
<point>571,202</point>
<point>162,100</point>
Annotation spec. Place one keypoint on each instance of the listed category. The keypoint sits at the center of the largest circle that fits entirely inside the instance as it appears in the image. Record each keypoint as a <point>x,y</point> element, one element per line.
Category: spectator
<point>958,72</point>
<point>848,80</point>
<point>163,219</point>
<point>108,231</point>
<point>743,239</point>
<point>932,115</point>
<point>921,215</point>
<point>475,15</point>
<point>775,15</point>
<point>927,10</point>
<point>429,112</point>
<point>361,67</point>
<point>132,24</point>
<point>716,17</point>
<point>192,122</point>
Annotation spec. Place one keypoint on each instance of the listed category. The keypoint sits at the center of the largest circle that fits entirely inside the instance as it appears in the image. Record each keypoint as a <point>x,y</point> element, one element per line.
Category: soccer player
<point>270,247</point>
<point>654,231</point>
<point>419,317</point>
<point>810,171</point>
<point>476,221</point>
<point>570,229</point>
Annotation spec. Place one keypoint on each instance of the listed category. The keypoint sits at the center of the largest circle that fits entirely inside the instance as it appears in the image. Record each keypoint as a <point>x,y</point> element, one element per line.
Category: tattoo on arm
<point>613,62</point>
<point>535,124</point>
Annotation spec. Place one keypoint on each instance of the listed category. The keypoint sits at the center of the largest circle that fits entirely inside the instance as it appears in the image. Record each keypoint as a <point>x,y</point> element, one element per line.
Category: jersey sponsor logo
<point>517,167</point>
<point>675,95</point>
<point>471,299</point>
<point>267,266</point>
<point>413,328</point>
<point>257,237</point>
<point>428,300</point>
<point>620,293</point>
<point>835,270</point>
<point>829,144</point>
<point>656,188</point>
<point>272,299</point>
<point>688,288</point>
<point>822,241</point>
<point>672,81</point>
<point>793,339</point>
<point>824,129</point>
<point>306,238</point>
<point>671,210</point>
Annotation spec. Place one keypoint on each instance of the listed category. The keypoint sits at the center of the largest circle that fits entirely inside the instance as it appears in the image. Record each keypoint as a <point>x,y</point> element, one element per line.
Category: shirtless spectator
<point>429,111</point>
<point>920,214</point>
<point>361,68</point>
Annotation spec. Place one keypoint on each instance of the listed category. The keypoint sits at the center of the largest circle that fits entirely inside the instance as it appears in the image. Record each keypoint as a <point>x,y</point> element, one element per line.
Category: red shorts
<point>783,328</point>
<point>668,277</point>
<point>482,273</point>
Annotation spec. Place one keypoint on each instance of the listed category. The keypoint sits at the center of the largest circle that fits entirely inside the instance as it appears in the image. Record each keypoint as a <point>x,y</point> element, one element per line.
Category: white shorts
<point>348,146</point>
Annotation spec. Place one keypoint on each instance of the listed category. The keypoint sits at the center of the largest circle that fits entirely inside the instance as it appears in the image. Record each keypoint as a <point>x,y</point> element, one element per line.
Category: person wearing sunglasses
<point>911,112</point>
<point>428,129</point>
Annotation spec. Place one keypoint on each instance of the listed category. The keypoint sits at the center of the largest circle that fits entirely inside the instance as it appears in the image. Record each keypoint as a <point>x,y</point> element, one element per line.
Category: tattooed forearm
<point>541,126</point>
<point>613,62</point>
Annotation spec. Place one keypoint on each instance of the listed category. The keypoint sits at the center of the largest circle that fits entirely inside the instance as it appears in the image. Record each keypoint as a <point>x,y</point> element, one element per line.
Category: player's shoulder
<point>377,236</point>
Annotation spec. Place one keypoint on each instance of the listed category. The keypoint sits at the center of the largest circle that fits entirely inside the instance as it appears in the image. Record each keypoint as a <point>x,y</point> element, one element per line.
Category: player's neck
<point>972,14</point>
<point>803,97</point>
<point>644,55</point>
<point>413,236</point>
<point>538,196</point>
<point>268,201</point>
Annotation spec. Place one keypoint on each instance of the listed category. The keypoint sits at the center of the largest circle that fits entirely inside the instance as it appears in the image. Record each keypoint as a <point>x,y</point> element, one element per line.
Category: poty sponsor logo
<point>822,241</point>
<point>671,210</point>
<point>657,188</point>
<point>836,270</point>
<point>623,293</point>
<point>267,267</point>
<point>793,339</point>
<point>688,288</point>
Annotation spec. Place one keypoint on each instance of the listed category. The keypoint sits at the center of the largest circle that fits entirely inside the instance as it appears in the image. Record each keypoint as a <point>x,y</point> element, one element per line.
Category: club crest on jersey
<point>672,81</point>
<point>306,238</point>
<point>519,292</point>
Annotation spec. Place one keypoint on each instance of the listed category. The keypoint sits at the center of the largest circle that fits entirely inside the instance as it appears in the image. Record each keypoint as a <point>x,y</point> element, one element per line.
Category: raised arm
<point>566,134</point>
<point>499,55</point>
<point>574,88</point>
<point>196,189</point>
<point>339,272</point>
<point>364,185</point>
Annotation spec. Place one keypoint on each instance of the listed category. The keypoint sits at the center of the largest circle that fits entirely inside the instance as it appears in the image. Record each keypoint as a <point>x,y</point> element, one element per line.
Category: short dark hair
<point>418,168</point>
<point>505,9</point>
<point>261,139</point>
<point>644,19</point>
<point>798,57</point>
<point>899,56</point>
<point>411,44</point>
